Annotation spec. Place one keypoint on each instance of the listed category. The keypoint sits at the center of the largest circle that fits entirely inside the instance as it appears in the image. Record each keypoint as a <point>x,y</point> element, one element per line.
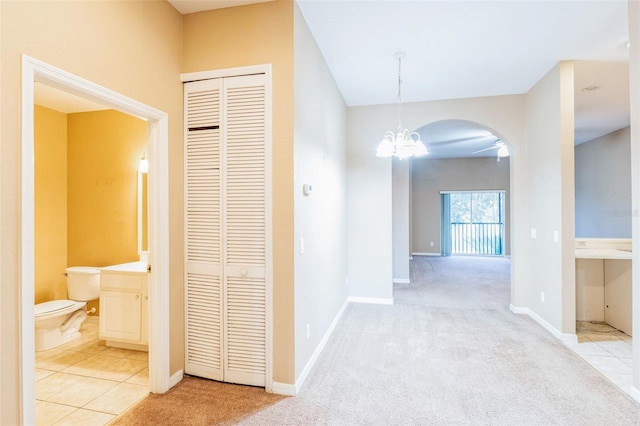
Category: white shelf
<point>602,253</point>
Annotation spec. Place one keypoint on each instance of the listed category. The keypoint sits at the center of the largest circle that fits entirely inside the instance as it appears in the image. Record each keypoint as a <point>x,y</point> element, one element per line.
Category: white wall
<point>320,218</point>
<point>550,191</point>
<point>603,186</point>
<point>369,204</point>
<point>430,176</point>
<point>369,182</point>
<point>401,197</point>
<point>634,84</point>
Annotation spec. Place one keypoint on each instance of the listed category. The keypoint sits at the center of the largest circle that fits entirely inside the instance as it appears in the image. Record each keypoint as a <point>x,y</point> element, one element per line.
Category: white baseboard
<point>569,338</point>
<point>564,337</point>
<point>312,361</point>
<point>518,310</point>
<point>634,392</point>
<point>424,254</point>
<point>537,318</point>
<point>176,378</point>
<point>284,389</point>
<point>374,300</point>
<point>401,281</point>
<point>292,390</point>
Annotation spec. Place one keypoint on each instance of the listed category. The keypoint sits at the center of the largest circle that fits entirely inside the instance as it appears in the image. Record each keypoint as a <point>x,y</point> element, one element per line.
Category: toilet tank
<point>83,283</point>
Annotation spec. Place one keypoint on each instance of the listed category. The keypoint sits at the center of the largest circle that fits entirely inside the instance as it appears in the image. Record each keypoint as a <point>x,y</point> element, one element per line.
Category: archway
<point>463,158</point>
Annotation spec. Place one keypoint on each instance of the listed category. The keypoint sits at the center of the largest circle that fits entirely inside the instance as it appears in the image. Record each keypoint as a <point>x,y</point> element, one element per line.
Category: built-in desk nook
<point>603,281</point>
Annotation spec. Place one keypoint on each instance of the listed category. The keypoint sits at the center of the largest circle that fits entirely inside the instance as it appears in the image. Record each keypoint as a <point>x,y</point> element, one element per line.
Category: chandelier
<point>402,143</point>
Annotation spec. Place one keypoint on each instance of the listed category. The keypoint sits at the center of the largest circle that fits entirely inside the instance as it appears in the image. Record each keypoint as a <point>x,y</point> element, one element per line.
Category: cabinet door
<point>120,315</point>
<point>144,320</point>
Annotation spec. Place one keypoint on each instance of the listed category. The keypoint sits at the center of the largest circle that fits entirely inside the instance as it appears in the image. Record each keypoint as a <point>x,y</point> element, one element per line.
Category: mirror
<point>143,235</point>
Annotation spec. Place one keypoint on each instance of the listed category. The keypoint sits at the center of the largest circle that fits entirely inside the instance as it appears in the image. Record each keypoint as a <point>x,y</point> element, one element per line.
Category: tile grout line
<point>604,345</point>
<point>127,355</point>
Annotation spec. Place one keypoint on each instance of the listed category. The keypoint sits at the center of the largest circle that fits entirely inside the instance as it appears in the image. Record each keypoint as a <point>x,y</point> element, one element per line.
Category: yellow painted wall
<point>252,35</point>
<point>50,164</point>
<point>136,48</point>
<point>85,193</point>
<point>131,47</point>
<point>104,151</point>
<point>103,155</point>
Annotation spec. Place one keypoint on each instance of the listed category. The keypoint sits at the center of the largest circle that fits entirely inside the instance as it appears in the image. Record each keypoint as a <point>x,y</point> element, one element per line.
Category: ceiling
<point>192,6</point>
<point>464,49</point>
<point>62,101</point>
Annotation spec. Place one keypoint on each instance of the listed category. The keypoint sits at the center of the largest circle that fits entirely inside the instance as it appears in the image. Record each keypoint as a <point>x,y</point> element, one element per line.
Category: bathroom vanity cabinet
<point>124,305</point>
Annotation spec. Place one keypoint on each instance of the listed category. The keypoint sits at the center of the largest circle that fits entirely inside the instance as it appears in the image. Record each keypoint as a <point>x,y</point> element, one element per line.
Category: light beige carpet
<point>449,352</point>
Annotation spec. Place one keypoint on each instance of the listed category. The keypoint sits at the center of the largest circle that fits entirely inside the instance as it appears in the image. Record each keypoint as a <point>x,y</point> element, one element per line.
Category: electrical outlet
<point>346,281</point>
<point>301,245</point>
<point>308,330</point>
<point>431,244</point>
<point>542,296</point>
<point>533,232</point>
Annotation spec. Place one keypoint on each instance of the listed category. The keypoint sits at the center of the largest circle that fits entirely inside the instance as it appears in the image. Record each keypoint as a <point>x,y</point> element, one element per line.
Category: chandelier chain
<point>404,143</point>
<point>399,97</point>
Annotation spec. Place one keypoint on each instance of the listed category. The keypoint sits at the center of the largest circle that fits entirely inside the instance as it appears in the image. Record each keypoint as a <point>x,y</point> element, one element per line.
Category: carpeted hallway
<point>449,352</point>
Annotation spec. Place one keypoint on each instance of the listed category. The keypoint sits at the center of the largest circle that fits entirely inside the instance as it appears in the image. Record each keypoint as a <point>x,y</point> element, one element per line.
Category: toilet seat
<point>55,308</point>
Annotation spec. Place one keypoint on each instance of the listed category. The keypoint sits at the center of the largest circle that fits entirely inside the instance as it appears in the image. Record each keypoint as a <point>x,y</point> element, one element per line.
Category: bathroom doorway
<point>34,71</point>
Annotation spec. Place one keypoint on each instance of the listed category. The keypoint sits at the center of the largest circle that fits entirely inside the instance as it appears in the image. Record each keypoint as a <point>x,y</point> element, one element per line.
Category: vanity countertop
<point>137,267</point>
<point>602,253</point>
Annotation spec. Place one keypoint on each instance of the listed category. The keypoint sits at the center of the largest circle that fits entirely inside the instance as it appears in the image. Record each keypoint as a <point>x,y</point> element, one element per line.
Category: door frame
<point>33,71</point>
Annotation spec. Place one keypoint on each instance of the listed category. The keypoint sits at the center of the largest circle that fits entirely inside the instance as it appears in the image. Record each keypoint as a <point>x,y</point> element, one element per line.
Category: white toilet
<point>58,321</point>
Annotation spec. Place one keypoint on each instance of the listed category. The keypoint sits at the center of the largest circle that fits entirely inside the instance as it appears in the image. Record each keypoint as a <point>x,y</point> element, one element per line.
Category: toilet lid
<point>52,306</point>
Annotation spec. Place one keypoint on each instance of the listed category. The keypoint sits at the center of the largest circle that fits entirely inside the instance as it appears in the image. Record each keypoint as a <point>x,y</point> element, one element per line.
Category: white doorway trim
<point>34,70</point>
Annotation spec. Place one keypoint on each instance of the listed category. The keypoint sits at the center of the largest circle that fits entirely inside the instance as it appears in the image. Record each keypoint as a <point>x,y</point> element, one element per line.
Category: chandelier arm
<point>416,134</point>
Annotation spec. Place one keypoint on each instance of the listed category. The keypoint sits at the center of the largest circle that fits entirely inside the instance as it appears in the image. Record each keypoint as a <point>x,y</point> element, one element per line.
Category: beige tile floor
<point>607,349</point>
<point>84,382</point>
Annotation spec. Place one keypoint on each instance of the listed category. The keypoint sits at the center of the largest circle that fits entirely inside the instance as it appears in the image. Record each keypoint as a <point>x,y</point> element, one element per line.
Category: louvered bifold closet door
<point>244,248</point>
<point>203,220</point>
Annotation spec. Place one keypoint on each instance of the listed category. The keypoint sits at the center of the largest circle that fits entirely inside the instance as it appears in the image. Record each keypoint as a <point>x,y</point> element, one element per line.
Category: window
<point>476,222</point>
